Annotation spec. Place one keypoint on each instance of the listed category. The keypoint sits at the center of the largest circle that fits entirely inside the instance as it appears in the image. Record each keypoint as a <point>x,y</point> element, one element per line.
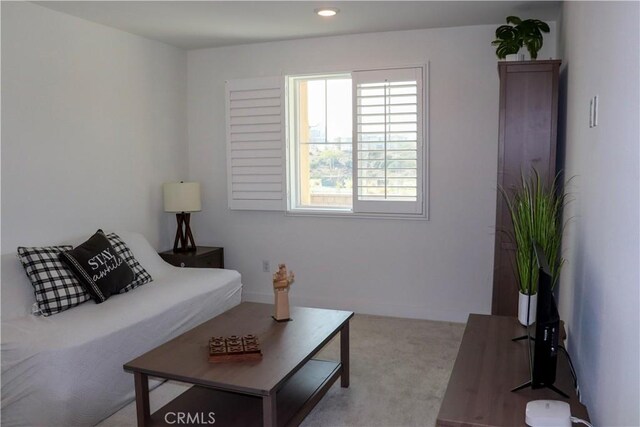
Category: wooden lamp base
<point>184,239</point>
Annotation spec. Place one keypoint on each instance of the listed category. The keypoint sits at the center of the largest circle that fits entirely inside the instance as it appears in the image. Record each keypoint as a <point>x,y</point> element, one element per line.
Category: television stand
<point>488,365</point>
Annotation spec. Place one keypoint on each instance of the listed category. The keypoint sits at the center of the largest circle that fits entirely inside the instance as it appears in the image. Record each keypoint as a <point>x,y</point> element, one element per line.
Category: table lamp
<point>182,198</point>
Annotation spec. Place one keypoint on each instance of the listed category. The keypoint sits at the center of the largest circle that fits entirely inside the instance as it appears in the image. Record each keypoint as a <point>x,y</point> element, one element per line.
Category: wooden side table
<point>202,257</point>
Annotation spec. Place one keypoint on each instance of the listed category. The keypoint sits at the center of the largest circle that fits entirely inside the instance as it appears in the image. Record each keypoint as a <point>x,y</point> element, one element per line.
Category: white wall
<point>437,269</point>
<point>93,122</point>
<point>599,293</point>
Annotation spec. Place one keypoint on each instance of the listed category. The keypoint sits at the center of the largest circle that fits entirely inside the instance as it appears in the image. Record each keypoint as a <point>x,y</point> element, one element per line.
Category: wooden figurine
<point>281,284</point>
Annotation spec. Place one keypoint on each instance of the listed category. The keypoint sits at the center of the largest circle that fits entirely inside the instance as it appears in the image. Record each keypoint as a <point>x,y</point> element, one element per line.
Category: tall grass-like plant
<point>536,211</point>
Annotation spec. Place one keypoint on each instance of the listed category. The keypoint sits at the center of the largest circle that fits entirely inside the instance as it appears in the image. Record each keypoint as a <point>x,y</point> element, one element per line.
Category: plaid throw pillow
<point>55,286</point>
<point>123,251</point>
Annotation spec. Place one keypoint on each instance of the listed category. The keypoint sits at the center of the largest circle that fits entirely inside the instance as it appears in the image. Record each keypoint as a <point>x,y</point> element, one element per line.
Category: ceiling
<point>200,24</point>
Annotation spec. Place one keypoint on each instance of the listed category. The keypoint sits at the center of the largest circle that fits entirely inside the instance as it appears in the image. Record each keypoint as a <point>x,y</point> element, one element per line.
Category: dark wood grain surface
<point>230,409</point>
<point>202,257</point>
<point>285,346</point>
<point>527,138</point>
<point>488,366</point>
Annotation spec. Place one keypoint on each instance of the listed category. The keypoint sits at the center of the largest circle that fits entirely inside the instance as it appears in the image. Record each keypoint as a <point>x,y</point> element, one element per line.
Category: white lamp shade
<point>182,197</point>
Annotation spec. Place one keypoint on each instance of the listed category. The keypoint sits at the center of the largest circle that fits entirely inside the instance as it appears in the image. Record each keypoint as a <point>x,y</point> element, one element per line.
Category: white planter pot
<point>523,302</point>
<point>514,57</point>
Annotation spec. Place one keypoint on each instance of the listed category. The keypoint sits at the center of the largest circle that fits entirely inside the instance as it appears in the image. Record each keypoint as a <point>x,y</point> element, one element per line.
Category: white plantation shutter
<point>255,143</point>
<point>388,133</point>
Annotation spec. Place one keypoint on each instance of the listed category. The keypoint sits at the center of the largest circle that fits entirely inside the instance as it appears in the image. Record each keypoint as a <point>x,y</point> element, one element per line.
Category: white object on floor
<point>548,413</point>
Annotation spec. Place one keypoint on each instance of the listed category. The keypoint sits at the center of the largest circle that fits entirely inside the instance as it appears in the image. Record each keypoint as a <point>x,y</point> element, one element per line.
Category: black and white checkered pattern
<point>123,251</point>
<point>56,287</point>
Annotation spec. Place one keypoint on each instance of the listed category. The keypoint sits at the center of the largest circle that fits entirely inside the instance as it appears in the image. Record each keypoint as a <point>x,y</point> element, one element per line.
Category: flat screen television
<point>543,344</point>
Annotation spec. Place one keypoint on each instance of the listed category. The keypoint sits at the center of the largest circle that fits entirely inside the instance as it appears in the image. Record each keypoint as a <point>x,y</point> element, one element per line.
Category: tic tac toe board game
<point>234,348</point>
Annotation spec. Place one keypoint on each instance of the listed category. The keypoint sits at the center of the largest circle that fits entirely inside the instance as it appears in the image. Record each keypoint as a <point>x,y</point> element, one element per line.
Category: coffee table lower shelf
<point>294,401</point>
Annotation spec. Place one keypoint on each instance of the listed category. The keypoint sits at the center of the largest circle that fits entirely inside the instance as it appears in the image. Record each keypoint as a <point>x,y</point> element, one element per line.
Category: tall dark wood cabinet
<point>527,138</point>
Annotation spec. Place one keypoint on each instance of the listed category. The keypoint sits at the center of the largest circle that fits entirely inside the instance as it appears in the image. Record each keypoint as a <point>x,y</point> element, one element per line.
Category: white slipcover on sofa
<point>66,369</point>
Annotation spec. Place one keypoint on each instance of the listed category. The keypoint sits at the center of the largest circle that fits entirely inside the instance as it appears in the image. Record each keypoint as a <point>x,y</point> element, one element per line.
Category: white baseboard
<point>365,307</point>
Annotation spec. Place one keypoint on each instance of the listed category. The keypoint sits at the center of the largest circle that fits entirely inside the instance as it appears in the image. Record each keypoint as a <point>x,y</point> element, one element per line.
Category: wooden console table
<point>488,366</point>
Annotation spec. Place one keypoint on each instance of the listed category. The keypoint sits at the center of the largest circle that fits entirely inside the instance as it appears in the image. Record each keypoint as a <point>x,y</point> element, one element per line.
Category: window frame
<point>292,144</point>
<point>292,164</point>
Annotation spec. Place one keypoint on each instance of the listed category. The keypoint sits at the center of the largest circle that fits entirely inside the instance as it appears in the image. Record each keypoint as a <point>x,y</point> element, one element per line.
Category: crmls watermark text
<point>190,418</point>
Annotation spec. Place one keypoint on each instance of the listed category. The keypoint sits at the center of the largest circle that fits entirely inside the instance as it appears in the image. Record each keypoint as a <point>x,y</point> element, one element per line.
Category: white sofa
<point>66,369</point>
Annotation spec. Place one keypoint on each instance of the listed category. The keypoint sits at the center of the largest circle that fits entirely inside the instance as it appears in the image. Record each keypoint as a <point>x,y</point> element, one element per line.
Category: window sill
<point>331,213</point>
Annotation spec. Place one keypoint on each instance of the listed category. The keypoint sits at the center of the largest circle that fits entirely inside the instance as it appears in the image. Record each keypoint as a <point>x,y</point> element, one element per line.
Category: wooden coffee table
<point>278,390</point>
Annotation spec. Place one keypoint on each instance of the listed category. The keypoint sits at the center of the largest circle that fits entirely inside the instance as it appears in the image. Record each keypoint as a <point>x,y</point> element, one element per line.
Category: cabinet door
<point>528,134</point>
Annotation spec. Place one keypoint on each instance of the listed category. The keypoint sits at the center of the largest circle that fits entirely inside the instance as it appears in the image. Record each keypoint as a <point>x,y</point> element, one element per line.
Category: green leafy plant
<point>536,210</point>
<point>518,33</point>
<point>508,40</point>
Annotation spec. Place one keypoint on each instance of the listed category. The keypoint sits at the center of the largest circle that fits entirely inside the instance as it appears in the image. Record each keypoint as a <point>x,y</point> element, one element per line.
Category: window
<point>354,143</point>
<point>321,147</point>
<point>388,141</point>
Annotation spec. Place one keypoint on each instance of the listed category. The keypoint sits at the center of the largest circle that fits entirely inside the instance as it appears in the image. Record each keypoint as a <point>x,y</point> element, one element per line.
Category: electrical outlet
<point>265,266</point>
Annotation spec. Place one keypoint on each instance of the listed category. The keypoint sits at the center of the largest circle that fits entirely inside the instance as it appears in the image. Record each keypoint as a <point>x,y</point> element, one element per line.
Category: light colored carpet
<point>399,373</point>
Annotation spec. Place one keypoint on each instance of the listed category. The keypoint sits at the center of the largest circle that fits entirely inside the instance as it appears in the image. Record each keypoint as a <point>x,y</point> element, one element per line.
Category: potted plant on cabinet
<point>518,33</point>
<point>535,210</point>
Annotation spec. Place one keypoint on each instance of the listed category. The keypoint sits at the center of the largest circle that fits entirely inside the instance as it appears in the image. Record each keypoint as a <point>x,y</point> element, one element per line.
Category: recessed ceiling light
<point>327,11</point>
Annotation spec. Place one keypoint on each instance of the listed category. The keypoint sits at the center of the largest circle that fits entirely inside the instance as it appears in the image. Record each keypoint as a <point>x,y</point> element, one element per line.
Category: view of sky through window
<point>324,117</point>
